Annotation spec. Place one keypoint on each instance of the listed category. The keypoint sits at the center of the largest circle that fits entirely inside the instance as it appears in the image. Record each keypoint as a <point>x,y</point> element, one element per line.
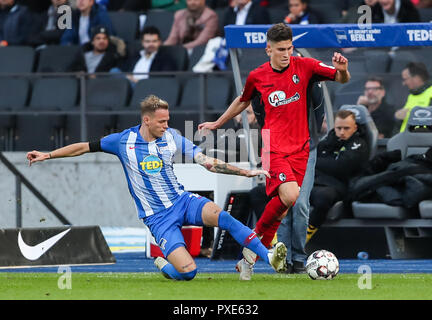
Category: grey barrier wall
<point>87,190</point>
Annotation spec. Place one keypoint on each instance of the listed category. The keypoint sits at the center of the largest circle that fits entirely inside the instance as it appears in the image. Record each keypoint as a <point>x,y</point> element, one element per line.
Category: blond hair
<point>151,103</point>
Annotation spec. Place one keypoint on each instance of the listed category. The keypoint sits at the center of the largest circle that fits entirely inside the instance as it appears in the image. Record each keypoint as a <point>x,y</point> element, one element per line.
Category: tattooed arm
<point>218,166</point>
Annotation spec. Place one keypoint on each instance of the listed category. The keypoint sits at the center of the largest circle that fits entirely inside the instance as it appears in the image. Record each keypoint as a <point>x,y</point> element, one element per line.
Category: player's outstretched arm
<point>235,108</point>
<point>71,150</point>
<point>219,166</point>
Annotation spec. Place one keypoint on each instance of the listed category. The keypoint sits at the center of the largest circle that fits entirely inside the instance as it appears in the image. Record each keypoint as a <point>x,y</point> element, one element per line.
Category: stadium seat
<point>214,99</point>
<point>185,121</point>
<point>54,93</point>
<point>341,99</point>
<point>425,14</point>
<point>166,88</point>
<point>61,59</point>
<point>48,94</point>
<point>191,93</point>
<point>162,19</point>
<point>107,93</point>
<point>377,61</point>
<point>102,94</point>
<point>46,137</point>
<point>16,59</point>
<point>219,92</point>
<point>329,12</point>
<point>396,92</point>
<point>196,55</point>
<point>409,143</point>
<point>400,59</point>
<point>180,55</point>
<point>252,58</point>
<point>348,93</point>
<point>425,209</point>
<point>276,14</point>
<point>125,24</point>
<point>14,93</point>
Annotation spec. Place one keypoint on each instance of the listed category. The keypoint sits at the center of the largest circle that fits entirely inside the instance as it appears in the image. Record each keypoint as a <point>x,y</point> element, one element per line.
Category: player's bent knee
<point>189,275</point>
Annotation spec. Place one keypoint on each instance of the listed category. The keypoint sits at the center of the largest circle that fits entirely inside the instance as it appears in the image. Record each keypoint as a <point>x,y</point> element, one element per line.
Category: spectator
<point>395,11</point>
<point>87,16</point>
<point>416,77</point>
<point>246,12</point>
<point>380,111</point>
<point>340,157</point>
<point>193,26</point>
<point>16,23</point>
<point>49,30</point>
<point>169,5</point>
<point>100,55</point>
<point>151,58</point>
<point>351,15</point>
<point>300,13</point>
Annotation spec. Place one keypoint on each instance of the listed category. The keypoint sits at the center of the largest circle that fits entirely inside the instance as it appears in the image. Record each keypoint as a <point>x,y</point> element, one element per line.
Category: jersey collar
<point>280,71</point>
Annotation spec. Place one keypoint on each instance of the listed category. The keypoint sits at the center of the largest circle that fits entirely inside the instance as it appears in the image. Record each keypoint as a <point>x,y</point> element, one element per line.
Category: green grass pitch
<point>211,286</point>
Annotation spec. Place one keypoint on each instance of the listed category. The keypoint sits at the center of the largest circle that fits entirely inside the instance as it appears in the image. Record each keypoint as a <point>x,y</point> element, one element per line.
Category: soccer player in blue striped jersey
<point>146,153</point>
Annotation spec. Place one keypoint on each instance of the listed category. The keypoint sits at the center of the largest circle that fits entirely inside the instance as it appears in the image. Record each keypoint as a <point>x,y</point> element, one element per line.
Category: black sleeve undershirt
<point>95,146</point>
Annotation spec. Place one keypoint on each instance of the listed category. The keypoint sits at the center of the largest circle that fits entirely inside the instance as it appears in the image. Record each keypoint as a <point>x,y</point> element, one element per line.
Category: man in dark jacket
<point>340,157</point>
<point>151,58</point>
<point>394,11</point>
<point>16,23</point>
<point>101,55</point>
<point>88,16</point>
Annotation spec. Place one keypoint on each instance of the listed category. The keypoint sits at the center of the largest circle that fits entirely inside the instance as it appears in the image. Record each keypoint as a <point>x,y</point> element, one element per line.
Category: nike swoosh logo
<point>35,252</point>
<point>298,36</point>
<point>132,148</point>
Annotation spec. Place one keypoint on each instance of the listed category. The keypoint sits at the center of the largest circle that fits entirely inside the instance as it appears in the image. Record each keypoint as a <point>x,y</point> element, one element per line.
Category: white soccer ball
<point>322,264</point>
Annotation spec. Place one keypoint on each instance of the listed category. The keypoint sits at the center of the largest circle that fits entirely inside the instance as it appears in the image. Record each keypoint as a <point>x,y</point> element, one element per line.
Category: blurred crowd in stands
<point>133,38</point>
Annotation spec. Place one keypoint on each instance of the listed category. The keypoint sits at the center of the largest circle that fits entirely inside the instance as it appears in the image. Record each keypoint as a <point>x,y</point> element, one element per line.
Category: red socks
<point>269,221</point>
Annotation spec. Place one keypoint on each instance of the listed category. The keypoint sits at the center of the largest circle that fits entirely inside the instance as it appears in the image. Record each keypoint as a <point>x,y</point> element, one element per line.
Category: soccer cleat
<point>277,257</point>
<point>160,263</point>
<point>245,269</point>
<point>249,256</point>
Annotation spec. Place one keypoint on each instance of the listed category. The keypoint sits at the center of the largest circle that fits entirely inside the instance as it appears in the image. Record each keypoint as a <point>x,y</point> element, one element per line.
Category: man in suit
<point>246,12</point>
<point>151,58</point>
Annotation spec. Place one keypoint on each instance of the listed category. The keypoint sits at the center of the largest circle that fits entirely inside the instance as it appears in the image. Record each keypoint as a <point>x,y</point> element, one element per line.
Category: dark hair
<point>279,32</point>
<point>376,79</point>
<point>418,69</point>
<point>150,30</point>
<point>343,114</point>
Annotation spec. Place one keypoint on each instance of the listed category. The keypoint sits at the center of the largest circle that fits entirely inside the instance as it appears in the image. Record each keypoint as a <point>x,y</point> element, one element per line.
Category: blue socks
<point>170,272</point>
<point>242,234</point>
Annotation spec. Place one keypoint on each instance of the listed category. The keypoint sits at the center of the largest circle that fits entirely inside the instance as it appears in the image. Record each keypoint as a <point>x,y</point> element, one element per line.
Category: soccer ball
<point>322,264</point>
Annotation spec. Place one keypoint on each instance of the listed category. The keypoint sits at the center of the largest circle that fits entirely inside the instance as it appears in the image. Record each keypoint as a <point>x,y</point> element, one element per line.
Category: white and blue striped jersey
<point>149,166</point>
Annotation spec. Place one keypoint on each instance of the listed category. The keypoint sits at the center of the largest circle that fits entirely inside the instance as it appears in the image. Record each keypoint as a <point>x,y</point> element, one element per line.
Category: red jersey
<point>284,94</point>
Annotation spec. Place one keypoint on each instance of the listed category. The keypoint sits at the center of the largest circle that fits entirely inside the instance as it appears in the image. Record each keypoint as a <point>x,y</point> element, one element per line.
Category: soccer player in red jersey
<point>282,86</point>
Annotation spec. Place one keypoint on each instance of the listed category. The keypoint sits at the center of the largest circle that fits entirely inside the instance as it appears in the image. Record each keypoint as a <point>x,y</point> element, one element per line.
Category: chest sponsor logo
<point>278,98</point>
<point>151,164</point>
